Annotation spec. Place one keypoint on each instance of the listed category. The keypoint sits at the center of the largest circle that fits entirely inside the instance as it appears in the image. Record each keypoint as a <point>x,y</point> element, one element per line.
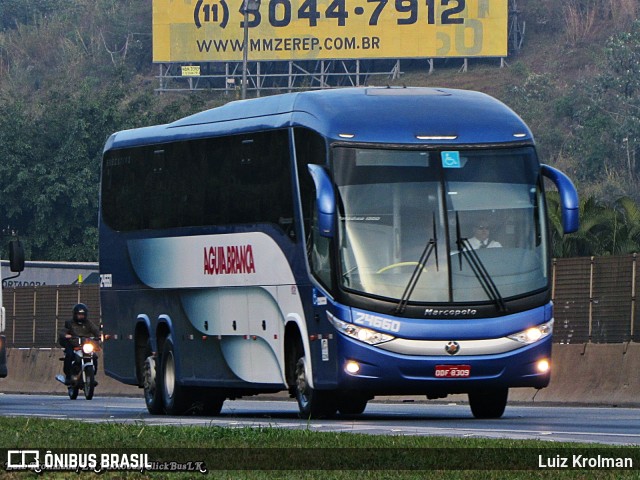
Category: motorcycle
<point>83,367</point>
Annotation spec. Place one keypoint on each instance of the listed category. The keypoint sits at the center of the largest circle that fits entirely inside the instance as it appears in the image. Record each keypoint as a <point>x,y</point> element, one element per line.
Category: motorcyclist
<point>78,326</point>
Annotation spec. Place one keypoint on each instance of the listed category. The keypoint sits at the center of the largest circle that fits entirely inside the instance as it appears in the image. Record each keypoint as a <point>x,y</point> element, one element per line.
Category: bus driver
<point>481,238</point>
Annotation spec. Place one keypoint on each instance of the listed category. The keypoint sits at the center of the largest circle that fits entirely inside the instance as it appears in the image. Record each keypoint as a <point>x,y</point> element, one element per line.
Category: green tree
<point>604,229</point>
<point>604,113</point>
<point>590,237</point>
<point>625,230</point>
<point>17,12</point>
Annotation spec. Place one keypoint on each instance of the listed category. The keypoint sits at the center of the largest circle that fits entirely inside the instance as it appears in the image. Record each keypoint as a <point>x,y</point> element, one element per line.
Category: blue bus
<point>323,243</point>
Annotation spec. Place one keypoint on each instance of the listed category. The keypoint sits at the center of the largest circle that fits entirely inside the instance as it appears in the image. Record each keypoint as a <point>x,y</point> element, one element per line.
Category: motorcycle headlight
<point>533,334</point>
<point>88,348</point>
<point>362,334</point>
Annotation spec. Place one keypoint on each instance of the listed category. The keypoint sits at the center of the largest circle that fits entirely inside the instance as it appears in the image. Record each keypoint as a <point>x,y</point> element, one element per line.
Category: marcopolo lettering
<point>450,312</point>
<point>229,259</point>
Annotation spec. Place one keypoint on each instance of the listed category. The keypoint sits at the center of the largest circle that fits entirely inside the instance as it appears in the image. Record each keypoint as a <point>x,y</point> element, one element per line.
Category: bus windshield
<point>414,223</point>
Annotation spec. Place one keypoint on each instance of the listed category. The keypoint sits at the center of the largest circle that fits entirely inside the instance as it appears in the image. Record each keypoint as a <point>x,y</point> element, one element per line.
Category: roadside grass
<point>275,453</point>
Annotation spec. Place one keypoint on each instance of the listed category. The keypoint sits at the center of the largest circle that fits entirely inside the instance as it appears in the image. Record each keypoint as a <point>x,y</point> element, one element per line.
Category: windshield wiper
<point>480,271</point>
<point>346,276</point>
<point>429,248</point>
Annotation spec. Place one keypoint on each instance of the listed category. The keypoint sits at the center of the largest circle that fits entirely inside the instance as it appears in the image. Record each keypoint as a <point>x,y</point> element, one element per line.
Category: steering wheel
<point>400,265</point>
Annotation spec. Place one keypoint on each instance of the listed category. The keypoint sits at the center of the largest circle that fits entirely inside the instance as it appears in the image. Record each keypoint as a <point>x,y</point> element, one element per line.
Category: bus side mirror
<point>568,198</point>
<point>325,200</point>
<point>16,256</point>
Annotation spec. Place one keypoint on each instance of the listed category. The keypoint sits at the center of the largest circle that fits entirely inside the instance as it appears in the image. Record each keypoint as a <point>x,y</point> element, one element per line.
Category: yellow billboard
<point>213,30</point>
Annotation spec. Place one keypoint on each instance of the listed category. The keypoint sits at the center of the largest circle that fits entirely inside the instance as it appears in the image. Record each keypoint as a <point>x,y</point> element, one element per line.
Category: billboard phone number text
<point>281,13</point>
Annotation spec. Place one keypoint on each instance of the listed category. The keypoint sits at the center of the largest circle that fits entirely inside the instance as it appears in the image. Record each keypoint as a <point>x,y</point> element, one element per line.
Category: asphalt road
<point>615,426</point>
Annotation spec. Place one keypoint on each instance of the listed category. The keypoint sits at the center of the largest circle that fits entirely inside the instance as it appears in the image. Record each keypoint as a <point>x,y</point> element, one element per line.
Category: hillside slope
<point>71,73</point>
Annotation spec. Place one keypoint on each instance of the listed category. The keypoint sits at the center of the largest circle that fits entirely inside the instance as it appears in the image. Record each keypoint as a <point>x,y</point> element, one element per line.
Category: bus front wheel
<point>352,404</point>
<point>312,403</point>
<point>488,404</point>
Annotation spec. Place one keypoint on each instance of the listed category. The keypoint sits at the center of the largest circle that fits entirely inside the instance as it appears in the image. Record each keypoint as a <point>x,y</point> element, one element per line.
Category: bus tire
<point>213,406</point>
<point>151,386</point>
<point>208,402</point>
<point>312,403</point>
<point>175,397</point>
<point>488,404</point>
<point>351,404</point>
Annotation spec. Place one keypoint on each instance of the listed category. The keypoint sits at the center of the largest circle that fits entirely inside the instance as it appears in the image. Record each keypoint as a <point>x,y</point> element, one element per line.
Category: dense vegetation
<point>71,73</point>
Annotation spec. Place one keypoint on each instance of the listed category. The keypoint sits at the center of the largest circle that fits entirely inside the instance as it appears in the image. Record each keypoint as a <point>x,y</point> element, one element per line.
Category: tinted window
<point>214,181</point>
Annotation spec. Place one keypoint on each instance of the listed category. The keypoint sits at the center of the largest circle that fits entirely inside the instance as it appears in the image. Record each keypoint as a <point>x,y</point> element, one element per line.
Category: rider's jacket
<point>84,329</point>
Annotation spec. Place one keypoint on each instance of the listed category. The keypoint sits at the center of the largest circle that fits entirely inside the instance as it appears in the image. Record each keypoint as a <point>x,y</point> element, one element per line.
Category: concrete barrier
<point>33,370</point>
<point>597,374</point>
<point>593,374</point>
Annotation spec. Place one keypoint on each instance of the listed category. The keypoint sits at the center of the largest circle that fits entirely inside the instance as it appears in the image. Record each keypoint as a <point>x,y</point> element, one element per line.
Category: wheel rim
<point>169,375</point>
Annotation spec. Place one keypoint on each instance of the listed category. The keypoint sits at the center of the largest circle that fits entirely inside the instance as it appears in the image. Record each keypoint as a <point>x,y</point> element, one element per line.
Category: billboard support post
<point>247,6</point>
<point>245,50</point>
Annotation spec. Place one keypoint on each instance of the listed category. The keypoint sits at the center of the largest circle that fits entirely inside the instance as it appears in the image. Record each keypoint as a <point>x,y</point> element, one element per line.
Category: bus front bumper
<point>369,368</point>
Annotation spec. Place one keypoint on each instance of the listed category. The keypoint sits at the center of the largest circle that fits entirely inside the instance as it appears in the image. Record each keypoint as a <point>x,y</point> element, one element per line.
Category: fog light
<point>352,367</point>
<point>543,366</point>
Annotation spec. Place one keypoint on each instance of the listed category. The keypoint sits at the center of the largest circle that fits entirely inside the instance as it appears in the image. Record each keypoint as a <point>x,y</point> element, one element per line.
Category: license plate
<point>453,371</point>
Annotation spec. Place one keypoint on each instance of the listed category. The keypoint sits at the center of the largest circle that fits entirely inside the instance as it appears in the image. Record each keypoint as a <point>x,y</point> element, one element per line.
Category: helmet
<point>80,309</point>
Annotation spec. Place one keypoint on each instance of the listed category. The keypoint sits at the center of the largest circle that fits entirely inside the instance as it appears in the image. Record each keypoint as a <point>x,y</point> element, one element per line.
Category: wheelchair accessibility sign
<point>450,159</point>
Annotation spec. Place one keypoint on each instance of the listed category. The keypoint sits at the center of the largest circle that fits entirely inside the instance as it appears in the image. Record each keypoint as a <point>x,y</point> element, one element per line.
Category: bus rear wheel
<point>312,403</point>
<point>150,383</point>
<point>488,404</point>
<point>175,397</point>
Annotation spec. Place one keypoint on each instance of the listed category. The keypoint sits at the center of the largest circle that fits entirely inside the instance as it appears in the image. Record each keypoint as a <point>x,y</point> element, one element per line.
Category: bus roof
<point>389,115</point>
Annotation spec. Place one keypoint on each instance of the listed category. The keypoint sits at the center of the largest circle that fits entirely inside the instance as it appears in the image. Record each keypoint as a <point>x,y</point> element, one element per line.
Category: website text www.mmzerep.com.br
<point>289,44</point>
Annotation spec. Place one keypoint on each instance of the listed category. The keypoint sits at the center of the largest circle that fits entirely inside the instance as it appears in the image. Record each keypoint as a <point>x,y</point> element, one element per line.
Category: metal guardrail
<point>595,302</point>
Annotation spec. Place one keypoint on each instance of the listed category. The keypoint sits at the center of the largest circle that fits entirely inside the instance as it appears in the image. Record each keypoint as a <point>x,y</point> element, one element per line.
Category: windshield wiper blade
<point>429,248</point>
<point>480,271</point>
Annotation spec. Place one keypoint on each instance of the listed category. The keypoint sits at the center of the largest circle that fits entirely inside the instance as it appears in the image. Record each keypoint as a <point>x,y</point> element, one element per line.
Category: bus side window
<point>155,191</point>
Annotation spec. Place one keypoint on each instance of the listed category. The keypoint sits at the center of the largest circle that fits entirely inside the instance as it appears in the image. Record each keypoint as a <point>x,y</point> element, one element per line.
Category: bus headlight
<point>363,334</point>
<point>533,334</point>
